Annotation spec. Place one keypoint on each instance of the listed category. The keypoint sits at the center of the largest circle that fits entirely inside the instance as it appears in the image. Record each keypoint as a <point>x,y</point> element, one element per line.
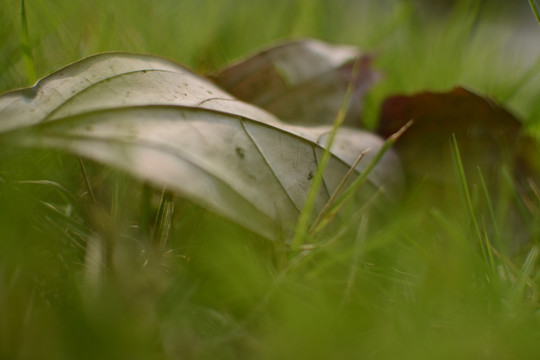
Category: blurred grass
<point>417,288</point>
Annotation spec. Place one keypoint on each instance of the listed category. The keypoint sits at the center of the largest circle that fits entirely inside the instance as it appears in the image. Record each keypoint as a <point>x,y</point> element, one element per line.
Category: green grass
<point>428,282</point>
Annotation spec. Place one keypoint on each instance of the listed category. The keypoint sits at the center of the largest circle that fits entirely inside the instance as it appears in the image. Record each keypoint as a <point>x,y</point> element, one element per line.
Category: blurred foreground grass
<point>417,288</point>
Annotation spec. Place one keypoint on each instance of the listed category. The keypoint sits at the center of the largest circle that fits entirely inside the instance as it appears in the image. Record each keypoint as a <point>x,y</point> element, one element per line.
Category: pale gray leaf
<point>164,124</point>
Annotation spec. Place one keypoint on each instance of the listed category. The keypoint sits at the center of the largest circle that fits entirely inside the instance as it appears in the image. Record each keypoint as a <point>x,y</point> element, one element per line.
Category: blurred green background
<point>419,288</point>
<point>487,45</point>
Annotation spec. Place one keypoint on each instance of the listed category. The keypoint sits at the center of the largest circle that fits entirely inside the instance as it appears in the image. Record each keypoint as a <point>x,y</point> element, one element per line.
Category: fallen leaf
<point>487,134</point>
<point>491,144</point>
<point>302,82</point>
<point>164,124</point>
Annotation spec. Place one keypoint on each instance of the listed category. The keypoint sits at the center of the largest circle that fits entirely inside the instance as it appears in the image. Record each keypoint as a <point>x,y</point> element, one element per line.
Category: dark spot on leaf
<point>240,152</point>
<point>310,175</point>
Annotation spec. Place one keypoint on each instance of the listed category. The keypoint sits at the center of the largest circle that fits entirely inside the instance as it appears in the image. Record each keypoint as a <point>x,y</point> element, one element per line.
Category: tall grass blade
<point>354,219</point>
<point>524,277</point>
<point>66,194</point>
<point>464,186</point>
<point>164,218</point>
<point>87,181</point>
<point>496,230</point>
<point>480,231</point>
<point>340,187</point>
<point>360,237</point>
<point>305,215</point>
<point>324,218</point>
<point>536,9</point>
<point>26,48</point>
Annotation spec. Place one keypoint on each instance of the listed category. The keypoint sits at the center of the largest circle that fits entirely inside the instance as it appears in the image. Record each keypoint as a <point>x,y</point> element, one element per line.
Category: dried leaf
<point>487,134</point>
<point>302,82</point>
<point>162,123</point>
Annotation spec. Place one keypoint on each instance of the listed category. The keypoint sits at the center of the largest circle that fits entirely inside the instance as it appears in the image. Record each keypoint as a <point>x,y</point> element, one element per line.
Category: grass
<point>182,283</point>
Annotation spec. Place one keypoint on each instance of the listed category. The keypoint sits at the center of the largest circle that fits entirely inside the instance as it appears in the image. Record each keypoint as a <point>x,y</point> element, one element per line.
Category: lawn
<point>96,263</point>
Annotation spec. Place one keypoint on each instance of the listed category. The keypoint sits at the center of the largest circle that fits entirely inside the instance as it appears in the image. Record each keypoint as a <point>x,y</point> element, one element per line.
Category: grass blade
<point>340,187</point>
<point>87,181</point>
<point>482,236</point>
<point>304,219</point>
<point>26,48</point>
<point>462,181</point>
<point>496,230</point>
<point>164,219</point>
<point>355,261</point>
<point>536,9</point>
<point>524,276</point>
<point>324,218</point>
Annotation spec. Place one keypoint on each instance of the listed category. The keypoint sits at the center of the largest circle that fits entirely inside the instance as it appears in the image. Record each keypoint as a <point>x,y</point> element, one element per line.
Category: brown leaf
<point>487,134</point>
<point>489,139</point>
<point>302,82</point>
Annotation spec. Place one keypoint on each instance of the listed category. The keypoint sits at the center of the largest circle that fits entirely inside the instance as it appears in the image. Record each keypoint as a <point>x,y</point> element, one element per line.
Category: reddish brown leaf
<point>487,135</point>
<point>302,82</point>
